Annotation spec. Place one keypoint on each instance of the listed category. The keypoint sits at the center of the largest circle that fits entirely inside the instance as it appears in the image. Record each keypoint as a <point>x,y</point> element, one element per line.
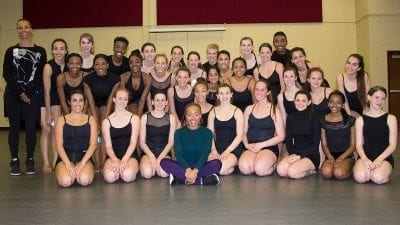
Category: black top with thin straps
<point>120,138</point>
<point>352,99</point>
<point>136,94</point>
<point>241,99</point>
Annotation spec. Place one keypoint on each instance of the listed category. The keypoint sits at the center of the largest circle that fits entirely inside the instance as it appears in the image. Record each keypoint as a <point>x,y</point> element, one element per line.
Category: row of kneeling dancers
<point>256,141</point>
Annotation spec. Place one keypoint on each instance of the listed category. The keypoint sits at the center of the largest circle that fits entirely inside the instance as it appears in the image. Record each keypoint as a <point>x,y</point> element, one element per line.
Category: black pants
<point>18,110</point>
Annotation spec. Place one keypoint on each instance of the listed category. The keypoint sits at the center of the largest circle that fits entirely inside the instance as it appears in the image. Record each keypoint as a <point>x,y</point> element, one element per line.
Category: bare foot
<point>46,168</point>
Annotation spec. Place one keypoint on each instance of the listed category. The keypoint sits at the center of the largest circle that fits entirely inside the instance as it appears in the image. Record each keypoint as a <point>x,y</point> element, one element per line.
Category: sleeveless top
<point>76,138</point>
<point>288,105</point>
<point>241,99</point>
<point>250,71</point>
<point>225,132</point>
<point>376,136</point>
<point>274,81</point>
<point>136,94</point>
<point>160,86</point>
<point>352,99</point>
<point>120,138</point>
<point>338,134</point>
<point>68,88</point>
<point>180,103</point>
<point>322,108</point>
<point>261,129</point>
<point>56,70</point>
<point>204,117</point>
<point>157,132</point>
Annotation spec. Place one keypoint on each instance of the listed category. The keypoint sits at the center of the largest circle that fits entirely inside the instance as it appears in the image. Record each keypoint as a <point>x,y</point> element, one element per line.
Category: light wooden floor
<point>238,200</point>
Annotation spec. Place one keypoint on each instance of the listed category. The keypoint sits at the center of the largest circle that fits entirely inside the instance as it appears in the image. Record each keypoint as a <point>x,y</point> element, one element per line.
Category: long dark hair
<point>361,91</point>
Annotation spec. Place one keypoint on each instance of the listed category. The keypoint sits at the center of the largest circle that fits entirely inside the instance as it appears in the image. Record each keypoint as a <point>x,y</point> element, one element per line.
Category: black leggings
<point>18,110</point>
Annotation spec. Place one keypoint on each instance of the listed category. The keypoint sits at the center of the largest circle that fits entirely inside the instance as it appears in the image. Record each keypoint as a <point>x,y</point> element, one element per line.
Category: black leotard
<point>68,88</point>
<point>101,86</point>
<point>262,129</point>
<point>75,141</point>
<point>157,133</point>
<point>180,103</point>
<point>160,86</point>
<point>121,139</point>
<point>136,94</point>
<point>322,108</point>
<point>274,81</point>
<point>376,137</point>
<point>225,132</point>
<point>288,105</point>
<point>352,99</point>
<point>241,99</point>
<point>338,135</point>
<point>55,71</point>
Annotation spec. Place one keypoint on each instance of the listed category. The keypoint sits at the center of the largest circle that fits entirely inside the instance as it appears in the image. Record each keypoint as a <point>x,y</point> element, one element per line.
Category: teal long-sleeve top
<point>192,147</point>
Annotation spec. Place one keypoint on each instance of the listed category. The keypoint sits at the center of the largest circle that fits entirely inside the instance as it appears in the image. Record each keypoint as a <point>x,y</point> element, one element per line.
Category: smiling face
<point>352,65</point>
<point>377,100</point>
<point>119,49</point>
<point>315,79</point>
<point>121,99</point>
<point>280,43</point>
<point>213,76</point>
<point>239,67</point>
<point>74,64</point>
<point>224,95</point>
<point>77,102</point>
<point>176,55</point>
<point>246,46</point>
<point>200,92</point>
<point>223,61</point>
<point>265,54</point>
<point>289,77</point>
<point>298,58</point>
<point>335,103</point>
<point>261,91</point>
<point>86,45</point>
<point>212,55</point>
<point>100,66</point>
<point>182,78</point>
<point>149,52</point>
<point>24,29</point>
<point>59,50</point>
<point>160,64</point>
<point>159,102</point>
<point>301,102</point>
<point>135,63</point>
<point>193,61</point>
<point>193,116</point>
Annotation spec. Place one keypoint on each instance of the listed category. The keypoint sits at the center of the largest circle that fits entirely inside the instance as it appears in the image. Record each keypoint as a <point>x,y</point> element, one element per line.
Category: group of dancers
<point>193,122</point>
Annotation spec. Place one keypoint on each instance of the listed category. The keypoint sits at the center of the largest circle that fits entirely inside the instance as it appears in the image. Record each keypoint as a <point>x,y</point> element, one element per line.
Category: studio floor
<point>238,200</point>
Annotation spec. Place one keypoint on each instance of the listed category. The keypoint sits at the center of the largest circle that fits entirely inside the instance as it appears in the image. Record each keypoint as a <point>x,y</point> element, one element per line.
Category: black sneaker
<point>15,169</point>
<point>174,180</point>
<point>210,180</point>
<point>30,166</point>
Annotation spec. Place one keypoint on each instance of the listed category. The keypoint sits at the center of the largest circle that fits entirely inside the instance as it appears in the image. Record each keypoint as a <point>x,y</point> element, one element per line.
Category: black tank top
<point>160,86</point>
<point>376,135</point>
<point>274,81</point>
<point>212,97</point>
<point>260,129</point>
<point>322,108</point>
<point>225,132</point>
<point>76,138</point>
<point>157,132</point>
<point>136,94</point>
<point>120,138</point>
<point>56,70</point>
<point>250,71</point>
<point>68,88</point>
<point>352,99</point>
<point>204,117</point>
<point>241,99</point>
<point>180,103</point>
<point>288,105</point>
